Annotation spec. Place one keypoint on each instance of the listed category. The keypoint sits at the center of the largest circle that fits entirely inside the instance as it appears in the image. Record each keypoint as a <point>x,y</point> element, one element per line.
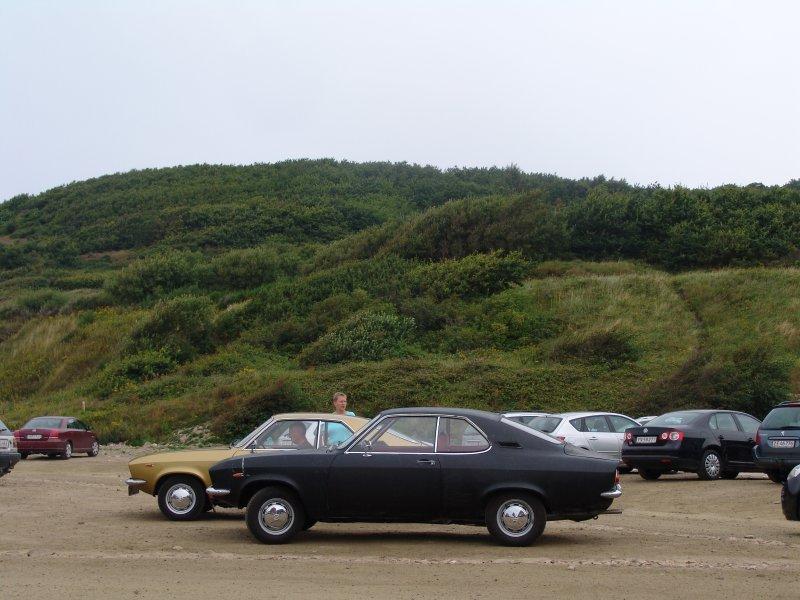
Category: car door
<point>392,473</point>
<point>749,425</point>
<point>76,435</point>
<point>599,435</point>
<point>734,443</point>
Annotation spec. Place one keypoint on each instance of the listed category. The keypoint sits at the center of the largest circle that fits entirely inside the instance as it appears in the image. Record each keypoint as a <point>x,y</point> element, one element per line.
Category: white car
<point>598,431</point>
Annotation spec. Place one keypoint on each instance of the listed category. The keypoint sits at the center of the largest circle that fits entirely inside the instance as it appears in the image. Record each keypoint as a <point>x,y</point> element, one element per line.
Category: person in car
<point>297,431</point>
<point>340,405</point>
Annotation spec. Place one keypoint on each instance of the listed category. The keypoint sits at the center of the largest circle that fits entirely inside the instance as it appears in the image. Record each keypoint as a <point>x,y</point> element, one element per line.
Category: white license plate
<point>34,437</point>
<point>3,443</point>
<point>647,439</point>
<point>782,443</point>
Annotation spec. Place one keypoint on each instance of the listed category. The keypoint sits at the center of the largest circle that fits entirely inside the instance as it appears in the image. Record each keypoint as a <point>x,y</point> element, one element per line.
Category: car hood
<point>204,454</point>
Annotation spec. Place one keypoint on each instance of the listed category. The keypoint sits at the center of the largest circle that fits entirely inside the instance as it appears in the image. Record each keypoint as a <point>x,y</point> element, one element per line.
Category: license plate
<point>34,437</point>
<point>3,443</point>
<point>648,439</point>
<point>782,443</point>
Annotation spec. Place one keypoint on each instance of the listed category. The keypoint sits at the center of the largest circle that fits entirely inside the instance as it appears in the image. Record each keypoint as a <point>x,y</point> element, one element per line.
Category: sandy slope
<point>68,526</point>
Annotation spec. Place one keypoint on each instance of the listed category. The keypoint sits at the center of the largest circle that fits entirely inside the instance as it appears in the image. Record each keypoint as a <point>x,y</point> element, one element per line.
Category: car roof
<point>573,415</point>
<point>50,417</point>
<point>460,412</point>
<point>318,416</point>
<point>526,413</point>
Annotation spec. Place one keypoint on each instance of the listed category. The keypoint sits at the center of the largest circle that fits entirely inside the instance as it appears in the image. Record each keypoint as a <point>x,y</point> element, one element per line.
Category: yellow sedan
<point>179,479</point>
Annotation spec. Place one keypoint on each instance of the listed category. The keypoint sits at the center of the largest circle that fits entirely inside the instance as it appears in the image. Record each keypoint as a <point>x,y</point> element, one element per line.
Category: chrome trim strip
<point>614,493</point>
<point>212,491</point>
<point>130,482</point>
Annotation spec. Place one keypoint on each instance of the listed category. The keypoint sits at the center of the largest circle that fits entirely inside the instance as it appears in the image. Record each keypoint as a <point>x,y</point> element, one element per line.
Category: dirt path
<point>67,528</point>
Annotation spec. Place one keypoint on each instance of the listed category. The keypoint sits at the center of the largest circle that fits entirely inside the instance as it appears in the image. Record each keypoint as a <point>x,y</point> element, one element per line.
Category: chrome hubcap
<point>515,517</point>
<point>181,498</point>
<point>95,448</point>
<point>276,516</point>
<point>68,450</point>
<point>712,465</point>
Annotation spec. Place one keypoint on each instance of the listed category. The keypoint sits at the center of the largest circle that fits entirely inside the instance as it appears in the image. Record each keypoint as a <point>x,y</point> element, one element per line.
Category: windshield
<point>3,427</point>
<point>674,418</point>
<point>783,417</point>
<point>544,424</point>
<point>43,423</point>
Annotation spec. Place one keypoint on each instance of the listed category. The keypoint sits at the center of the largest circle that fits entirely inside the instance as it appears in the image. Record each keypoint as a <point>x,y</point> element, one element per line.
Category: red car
<point>56,436</point>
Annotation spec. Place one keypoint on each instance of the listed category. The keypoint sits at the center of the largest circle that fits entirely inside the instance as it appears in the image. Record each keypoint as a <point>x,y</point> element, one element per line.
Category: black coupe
<point>712,443</point>
<point>425,465</point>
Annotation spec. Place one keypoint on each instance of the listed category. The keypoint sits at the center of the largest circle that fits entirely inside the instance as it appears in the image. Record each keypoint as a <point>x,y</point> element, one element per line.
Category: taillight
<point>758,437</point>
<point>675,436</point>
<point>53,435</point>
<point>616,477</point>
<point>561,438</point>
<point>628,438</point>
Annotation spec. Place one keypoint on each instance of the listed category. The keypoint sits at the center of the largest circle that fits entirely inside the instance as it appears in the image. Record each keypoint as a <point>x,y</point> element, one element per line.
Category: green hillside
<point>209,294</point>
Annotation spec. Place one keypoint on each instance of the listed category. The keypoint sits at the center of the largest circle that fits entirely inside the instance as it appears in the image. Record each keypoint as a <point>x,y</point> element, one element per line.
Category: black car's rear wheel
<point>515,519</point>
<point>711,466</point>
<point>275,515</point>
<point>181,498</point>
<point>650,474</point>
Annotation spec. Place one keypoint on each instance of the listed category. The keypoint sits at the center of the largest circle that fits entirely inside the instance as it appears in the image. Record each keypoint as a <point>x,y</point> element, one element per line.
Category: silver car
<point>8,450</point>
<point>599,431</point>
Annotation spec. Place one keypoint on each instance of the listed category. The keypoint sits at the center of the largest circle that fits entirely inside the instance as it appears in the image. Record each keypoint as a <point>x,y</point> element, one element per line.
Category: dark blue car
<point>777,449</point>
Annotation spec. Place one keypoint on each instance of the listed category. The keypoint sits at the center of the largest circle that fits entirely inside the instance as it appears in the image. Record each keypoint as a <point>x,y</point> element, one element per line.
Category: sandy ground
<point>68,529</point>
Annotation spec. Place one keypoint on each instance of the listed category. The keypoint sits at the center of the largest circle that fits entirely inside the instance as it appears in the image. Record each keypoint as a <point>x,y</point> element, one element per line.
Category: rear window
<point>783,417</point>
<point>674,418</point>
<point>544,424</point>
<point>43,423</point>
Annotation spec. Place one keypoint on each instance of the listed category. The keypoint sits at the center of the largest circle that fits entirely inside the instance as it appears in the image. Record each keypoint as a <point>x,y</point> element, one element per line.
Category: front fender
<point>257,482</point>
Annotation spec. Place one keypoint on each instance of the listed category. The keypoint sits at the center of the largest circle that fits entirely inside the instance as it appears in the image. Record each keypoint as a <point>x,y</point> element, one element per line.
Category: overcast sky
<point>698,93</point>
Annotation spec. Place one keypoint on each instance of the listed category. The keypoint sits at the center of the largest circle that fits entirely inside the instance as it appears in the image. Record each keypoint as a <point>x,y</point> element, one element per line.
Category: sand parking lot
<point>68,528</point>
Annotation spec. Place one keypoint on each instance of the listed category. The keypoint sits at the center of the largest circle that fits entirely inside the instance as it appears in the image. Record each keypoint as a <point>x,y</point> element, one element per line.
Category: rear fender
<point>529,488</point>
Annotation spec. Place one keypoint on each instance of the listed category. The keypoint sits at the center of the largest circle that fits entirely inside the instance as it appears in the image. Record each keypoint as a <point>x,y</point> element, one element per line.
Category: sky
<point>696,93</point>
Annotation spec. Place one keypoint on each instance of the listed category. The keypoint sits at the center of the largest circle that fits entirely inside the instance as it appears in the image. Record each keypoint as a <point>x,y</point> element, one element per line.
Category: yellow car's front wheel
<point>182,498</point>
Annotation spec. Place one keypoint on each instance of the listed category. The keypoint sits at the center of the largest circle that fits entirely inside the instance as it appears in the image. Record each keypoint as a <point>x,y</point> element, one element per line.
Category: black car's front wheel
<point>275,515</point>
<point>710,465</point>
<point>515,519</point>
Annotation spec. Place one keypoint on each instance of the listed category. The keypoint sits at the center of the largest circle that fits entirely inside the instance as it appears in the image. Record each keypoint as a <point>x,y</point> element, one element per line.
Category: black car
<point>790,495</point>
<point>777,448</point>
<point>711,443</point>
<point>423,465</point>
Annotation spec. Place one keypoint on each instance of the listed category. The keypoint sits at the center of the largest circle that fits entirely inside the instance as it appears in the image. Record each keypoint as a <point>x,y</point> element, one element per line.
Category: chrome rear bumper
<point>613,493</point>
<point>214,492</point>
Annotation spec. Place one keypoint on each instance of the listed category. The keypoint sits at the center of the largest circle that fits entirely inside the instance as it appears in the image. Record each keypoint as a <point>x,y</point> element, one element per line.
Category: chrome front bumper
<point>135,485</point>
<point>215,492</point>
<point>613,493</point>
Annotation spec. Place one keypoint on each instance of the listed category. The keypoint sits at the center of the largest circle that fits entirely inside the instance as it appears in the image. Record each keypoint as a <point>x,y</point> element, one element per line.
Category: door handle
<point>426,461</point>
<point>593,438</point>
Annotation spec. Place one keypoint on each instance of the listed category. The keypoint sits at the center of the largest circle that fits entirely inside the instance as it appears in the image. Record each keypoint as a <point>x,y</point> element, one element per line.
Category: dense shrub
<point>366,336</point>
<point>242,414</point>
<point>242,269</point>
<point>42,301</point>
<point>610,344</point>
<point>471,276</point>
<point>181,327</point>
<point>753,379</point>
<point>153,276</point>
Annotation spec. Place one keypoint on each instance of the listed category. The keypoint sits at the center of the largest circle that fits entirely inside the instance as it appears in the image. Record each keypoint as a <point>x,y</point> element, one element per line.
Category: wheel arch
<point>516,487</point>
<point>164,475</point>
<point>252,487</point>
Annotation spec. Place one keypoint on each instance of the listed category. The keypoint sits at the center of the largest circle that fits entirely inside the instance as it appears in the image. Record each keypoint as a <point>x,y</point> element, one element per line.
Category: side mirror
<point>366,446</point>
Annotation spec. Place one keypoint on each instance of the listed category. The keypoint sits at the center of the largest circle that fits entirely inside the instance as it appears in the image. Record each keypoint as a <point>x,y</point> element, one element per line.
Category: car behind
<point>8,450</point>
<point>777,449</point>
<point>56,436</point>
<point>712,443</point>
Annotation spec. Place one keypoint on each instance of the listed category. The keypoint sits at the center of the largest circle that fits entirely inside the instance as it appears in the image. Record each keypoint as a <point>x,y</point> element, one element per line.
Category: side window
<point>712,422</point>
<point>620,424</point>
<point>725,422</point>
<point>578,424</point>
<point>288,435</point>
<point>334,433</point>
<point>596,424</point>
<point>749,424</point>
<point>402,434</point>
<point>72,424</point>
<point>458,435</point>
